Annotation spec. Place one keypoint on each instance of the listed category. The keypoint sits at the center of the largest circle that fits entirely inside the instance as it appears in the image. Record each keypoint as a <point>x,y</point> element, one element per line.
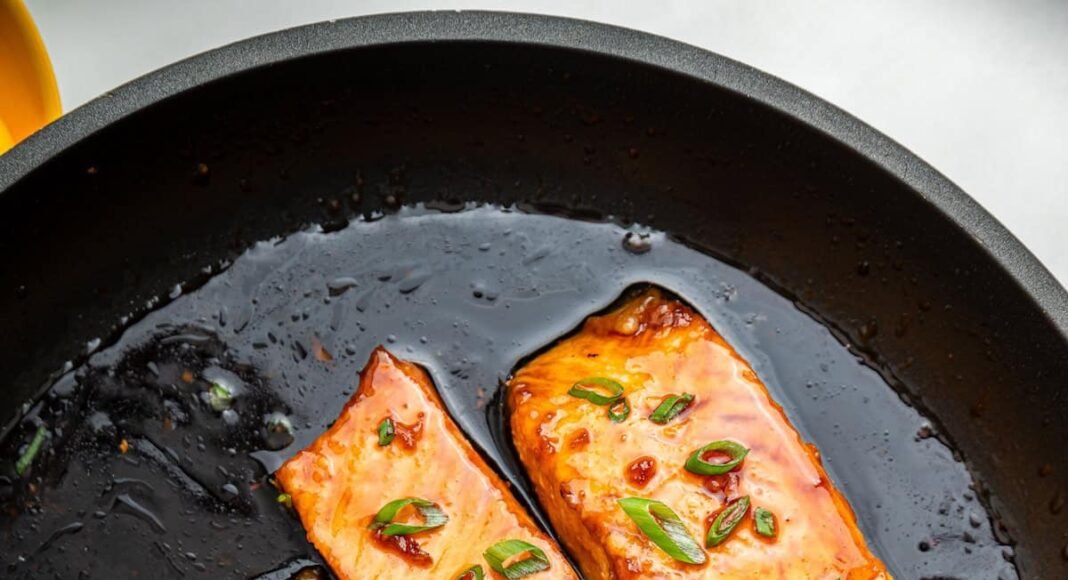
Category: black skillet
<point>110,206</point>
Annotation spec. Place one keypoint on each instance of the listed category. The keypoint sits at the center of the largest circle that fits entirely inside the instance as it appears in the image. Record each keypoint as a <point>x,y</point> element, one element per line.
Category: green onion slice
<point>726,521</point>
<point>664,528</point>
<point>473,573</point>
<point>433,517</point>
<point>386,432</point>
<point>619,410</point>
<point>26,459</point>
<point>765,522</point>
<point>285,499</point>
<point>585,389</point>
<point>536,560</point>
<point>279,423</point>
<point>671,407</point>
<point>220,397</point>
<point>737,452</point>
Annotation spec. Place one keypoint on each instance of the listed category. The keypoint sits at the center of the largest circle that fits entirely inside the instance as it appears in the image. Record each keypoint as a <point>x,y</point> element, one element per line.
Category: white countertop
<point>978,88</point>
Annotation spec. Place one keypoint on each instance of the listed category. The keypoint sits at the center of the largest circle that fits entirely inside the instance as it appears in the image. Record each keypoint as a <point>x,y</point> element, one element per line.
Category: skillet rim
<point>945,197</point>
<point>968,217</point>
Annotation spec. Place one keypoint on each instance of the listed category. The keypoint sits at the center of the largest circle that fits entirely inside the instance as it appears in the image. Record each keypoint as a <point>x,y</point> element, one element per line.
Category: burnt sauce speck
<point>157,452</point>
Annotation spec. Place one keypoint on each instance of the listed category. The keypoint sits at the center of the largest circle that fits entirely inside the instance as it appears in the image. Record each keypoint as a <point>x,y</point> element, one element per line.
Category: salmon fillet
<point>582,462</point>
<point>341,481</point>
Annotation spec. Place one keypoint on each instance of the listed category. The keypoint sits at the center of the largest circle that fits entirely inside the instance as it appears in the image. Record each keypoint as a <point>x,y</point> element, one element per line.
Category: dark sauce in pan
<point>288,325</point>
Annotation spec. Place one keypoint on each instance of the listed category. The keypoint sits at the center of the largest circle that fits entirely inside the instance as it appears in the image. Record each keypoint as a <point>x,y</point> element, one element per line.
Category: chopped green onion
<point>619,410</point>
<point>433,517</point>
<point>664,528</point>
<point>279,431</point>
<point>765,522</point>
<point>696,463</point>
<point>386,432</point>
<point>26,459</point>
<point>220,397</point>
<point>582,390</point>
<point>726,521</point>
<point>473,573</point>
<point>670,408</point>
<point>536,560</point>
<point>279,423</point>
<point>285,499</point>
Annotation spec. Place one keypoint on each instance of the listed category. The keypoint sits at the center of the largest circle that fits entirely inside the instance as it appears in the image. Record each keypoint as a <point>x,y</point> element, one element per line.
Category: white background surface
<point>978,88</point>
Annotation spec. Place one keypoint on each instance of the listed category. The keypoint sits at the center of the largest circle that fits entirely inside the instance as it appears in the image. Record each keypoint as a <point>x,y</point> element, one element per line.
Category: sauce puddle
<point>288,325</point>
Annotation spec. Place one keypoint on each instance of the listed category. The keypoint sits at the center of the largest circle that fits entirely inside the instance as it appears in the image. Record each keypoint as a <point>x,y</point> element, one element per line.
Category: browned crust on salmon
<point>656,346</point>
<point>340,481</point>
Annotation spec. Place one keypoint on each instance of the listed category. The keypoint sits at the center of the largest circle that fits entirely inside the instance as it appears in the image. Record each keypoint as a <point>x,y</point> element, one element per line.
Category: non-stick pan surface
<point>139,190</point>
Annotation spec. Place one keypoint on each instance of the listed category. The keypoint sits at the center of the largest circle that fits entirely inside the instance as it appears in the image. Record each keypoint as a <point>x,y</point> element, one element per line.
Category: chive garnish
<point>765,522</point>
<point>664,528</point>
<point>220,397</point>
<point>278,431</point>
<point>697,464</point>
<point>536,560</point>
<point>285,499</point>
<point>26,459</point>
<point>433,517</point>
<point>473,573</point>
<point>619,410</point>
<point>386,432</point>
<point>585,389</point>
<point>279,423</point>
<point>670,408</point>
<point>726,521</point>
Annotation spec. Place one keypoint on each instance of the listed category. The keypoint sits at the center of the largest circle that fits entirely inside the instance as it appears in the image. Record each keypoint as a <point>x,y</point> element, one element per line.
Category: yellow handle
<point>6,141</point>
<point>29,98</point>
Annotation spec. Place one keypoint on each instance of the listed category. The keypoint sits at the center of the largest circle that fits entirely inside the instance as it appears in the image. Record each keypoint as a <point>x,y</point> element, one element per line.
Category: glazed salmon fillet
<point>341,482</point>
<point>781,515</point>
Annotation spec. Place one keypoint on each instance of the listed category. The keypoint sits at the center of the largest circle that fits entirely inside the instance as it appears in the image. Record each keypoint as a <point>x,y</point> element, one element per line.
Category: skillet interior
<point>123,215</point>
